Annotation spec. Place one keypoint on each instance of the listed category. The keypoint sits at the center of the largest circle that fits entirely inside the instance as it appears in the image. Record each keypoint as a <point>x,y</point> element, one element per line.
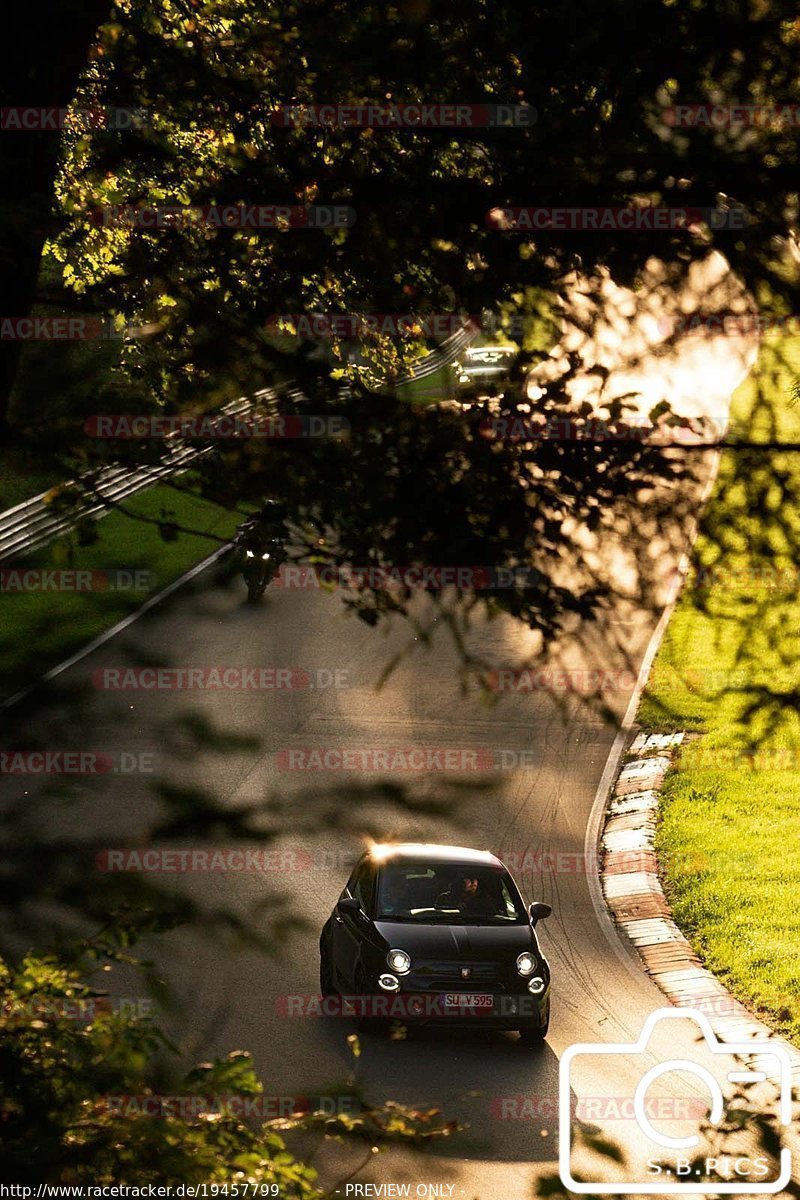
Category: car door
<point>350,929</point>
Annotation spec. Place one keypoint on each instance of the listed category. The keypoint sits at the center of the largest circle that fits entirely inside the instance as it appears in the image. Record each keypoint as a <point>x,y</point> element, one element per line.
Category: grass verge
<point>442,384</point>
<point>729,832</point>
<point>40,628</point>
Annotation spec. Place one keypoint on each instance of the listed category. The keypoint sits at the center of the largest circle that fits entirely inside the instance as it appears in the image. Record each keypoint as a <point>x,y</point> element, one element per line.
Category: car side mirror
<point>348,905</point>
<point>538,911</point>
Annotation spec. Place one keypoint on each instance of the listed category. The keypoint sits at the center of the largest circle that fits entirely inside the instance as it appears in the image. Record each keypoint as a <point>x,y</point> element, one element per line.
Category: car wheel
<point>534,1035</point>
<point>367,1024</point>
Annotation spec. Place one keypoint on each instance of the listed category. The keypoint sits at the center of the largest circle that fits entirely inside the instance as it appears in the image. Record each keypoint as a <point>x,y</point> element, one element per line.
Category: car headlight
<point>265,556</point>
<point>249,553</point>
<point>389,983</point>
<point>536,985</point>
<point>526,963</point>
<point>399,961</point>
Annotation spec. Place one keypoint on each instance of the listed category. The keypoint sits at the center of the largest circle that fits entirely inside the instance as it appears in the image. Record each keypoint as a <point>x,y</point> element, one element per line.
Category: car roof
<point>494,348</point>
<point>383,852</point>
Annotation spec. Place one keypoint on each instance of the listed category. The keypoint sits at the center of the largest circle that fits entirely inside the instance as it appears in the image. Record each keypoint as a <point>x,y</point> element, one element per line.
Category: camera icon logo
<point>669,1168</point>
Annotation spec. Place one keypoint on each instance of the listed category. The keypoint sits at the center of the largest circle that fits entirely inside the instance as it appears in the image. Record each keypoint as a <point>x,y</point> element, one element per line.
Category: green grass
<point>19,481</point>
<point>442,384</point>
<point>40,628</point>
<point>729,831</point>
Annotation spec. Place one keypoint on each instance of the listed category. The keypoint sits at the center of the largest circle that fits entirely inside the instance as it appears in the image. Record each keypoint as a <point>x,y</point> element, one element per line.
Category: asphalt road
<point>230,997</point>
<point>531,800</point>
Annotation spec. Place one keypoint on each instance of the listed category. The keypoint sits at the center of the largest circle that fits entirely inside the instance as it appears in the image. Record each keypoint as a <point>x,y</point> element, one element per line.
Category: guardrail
<point>35,522</point>
<point>446,353</point>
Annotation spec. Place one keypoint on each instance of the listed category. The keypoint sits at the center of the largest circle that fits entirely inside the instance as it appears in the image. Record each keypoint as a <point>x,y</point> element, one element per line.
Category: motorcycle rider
<point>266,525</point>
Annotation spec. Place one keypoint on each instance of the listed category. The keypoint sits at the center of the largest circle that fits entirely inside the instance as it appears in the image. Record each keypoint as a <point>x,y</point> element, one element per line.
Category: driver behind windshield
<point>467,896</point>
<point>473,893</point>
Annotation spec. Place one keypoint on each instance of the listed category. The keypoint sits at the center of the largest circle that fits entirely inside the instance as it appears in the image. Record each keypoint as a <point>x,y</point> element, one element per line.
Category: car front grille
<point>447,975</point>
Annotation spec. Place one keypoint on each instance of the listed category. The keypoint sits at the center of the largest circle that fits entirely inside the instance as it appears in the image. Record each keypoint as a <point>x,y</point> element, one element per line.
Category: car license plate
<point>468,1000</point>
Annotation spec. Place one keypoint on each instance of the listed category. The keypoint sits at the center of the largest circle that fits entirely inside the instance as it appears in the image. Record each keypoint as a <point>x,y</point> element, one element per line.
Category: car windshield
<point>448,893</point>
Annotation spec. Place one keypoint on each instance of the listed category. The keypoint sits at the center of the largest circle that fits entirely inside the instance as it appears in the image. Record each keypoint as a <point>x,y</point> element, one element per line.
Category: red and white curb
<point>635,898</point>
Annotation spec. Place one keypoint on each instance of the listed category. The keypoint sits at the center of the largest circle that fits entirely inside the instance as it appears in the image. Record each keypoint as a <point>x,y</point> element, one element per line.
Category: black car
<point>426,934</point>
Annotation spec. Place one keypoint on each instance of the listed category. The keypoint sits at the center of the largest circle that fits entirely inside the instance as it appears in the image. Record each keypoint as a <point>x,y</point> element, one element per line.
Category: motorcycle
<point>260,559</point>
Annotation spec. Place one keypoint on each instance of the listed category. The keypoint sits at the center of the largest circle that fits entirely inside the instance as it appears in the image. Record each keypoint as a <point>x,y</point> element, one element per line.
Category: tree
<point>40,73</point>
<point>207,78</point>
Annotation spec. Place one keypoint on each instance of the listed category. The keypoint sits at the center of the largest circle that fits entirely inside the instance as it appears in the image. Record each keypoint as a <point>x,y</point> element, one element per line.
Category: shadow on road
<point>505,1095</point>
